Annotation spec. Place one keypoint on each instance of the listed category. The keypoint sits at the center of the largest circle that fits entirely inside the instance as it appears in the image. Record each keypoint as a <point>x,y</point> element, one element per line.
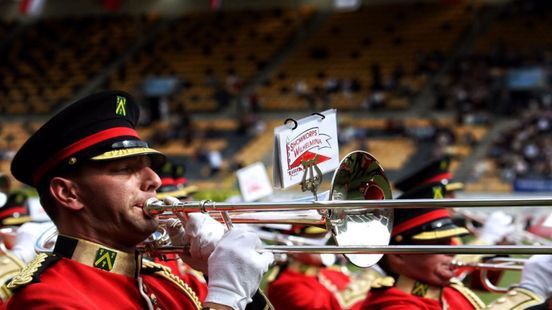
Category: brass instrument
<point>359,215</point>
<point>494,263</point>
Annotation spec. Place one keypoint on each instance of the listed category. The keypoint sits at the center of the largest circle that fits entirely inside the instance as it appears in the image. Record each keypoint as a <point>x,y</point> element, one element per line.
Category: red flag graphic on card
<point>303,146</point>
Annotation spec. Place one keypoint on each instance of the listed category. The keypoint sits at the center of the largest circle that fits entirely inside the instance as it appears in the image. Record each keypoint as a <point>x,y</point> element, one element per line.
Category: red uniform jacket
<point>86,275</point>
<point>309,287</point>
<point>424,297</point>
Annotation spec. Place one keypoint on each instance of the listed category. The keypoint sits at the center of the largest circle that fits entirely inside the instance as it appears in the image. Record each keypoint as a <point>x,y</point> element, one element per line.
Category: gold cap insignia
<point>121,106</point>
<point>437,192</point>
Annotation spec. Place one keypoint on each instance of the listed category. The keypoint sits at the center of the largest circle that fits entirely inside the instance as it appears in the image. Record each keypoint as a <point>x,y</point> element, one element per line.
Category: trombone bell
<point>360,177</point>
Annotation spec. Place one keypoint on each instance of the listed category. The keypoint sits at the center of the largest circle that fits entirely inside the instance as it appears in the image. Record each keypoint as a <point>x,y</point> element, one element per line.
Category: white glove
<point>236,269</point>
<point>201,233</point>
<point>497,226</point>
<point>25,239</point>
<point>537,275</point>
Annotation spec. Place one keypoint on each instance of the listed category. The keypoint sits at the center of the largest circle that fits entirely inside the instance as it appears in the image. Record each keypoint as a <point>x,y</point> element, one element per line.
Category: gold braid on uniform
<point>166,272</point>
<point>466,292</point>
<point>383,281</point>
<point>11,266</point>
<point>29,273</point>
<point>357,288</point>
<point>516,299</point>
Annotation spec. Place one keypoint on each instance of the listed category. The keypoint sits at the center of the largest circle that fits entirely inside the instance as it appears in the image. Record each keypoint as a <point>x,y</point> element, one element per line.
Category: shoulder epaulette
<point>359,285</point>
<point>31,272</point>
<point>476,302</point>
<point>11,266</point>
<point>517,298</point>
<point>383,282</point>
<point>149,267</point>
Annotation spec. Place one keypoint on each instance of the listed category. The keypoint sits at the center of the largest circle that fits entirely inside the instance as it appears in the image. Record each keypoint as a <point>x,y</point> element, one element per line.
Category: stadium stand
<point>391,57</point>
<point>213,55</point>
<point>71,52</point>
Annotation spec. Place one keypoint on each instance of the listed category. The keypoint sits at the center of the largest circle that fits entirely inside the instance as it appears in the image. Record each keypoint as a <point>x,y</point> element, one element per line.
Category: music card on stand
<point>313,138</point>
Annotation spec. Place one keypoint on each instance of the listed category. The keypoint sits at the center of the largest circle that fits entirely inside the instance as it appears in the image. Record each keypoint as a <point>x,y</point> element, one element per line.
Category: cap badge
<point>437,192</point>
<point>72,161</point>
<point>419,289</point>
<point>121,106</point>
<point>105,259</point>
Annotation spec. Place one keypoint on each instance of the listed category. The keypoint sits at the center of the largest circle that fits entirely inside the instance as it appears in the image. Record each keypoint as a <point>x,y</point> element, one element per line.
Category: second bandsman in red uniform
<point>421,281</point>
<point>309,281</point>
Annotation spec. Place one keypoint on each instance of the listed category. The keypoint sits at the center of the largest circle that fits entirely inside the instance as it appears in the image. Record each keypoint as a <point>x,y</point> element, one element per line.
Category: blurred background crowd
<point>412,81</point>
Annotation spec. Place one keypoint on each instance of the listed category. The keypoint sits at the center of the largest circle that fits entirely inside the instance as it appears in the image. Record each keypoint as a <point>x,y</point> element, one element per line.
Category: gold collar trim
<point>418,288</point>
<point>98,256</point>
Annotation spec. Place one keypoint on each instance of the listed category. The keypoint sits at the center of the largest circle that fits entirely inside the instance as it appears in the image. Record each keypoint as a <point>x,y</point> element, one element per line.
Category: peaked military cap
<point>437,170</point>
<point>173,182</point>
<point>98,127</point>
<point>420,224</point>
<point>16,210</point>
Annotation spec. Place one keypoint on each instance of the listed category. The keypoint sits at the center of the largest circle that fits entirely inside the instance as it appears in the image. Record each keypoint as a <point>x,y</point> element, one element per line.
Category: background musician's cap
<point>437,170</point>
<point>422,224</point>
<point>173,182</point>
<point>15,211</point>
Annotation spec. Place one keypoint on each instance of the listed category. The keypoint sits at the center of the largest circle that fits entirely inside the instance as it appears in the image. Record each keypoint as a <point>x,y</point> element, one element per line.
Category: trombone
<point>492,264</point>
<point>359,215</point>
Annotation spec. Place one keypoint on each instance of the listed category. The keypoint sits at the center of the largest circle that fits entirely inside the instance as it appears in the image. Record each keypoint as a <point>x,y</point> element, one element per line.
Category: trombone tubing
<point>389,249</point>
<point>489,266</point>
<point>157,206</point>
<point>410,249</point>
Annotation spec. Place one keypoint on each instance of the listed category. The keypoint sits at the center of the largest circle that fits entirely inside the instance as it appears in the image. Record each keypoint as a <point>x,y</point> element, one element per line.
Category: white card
<point>254,183</point>
<point>314,136</point>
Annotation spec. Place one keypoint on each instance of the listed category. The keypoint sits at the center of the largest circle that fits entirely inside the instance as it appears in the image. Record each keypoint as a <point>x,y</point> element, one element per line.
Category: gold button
<point>501,300</point>
<point>72,160</point>
<point>512,293</point>
<point>153,298</point>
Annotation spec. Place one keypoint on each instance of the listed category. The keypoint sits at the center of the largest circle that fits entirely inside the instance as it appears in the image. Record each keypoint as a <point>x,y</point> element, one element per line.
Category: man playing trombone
<point>94,174</point>
<point>421,281</point>
<point>495,228</point>
<point>426,281</point>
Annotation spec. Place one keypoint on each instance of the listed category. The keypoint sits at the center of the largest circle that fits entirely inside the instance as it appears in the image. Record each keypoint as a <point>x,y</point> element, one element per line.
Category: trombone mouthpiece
<point>153,206</point>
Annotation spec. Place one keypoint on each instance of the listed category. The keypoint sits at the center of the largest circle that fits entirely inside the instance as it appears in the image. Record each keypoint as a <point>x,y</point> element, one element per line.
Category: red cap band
<point>10,211</point>
<point>167,181</point>
<point>438,178</point>
<point>81,145</point>
<point>419,220</point>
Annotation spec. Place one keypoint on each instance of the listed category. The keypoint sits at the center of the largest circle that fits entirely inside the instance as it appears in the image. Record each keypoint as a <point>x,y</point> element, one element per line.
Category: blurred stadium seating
<point>411,80</point>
